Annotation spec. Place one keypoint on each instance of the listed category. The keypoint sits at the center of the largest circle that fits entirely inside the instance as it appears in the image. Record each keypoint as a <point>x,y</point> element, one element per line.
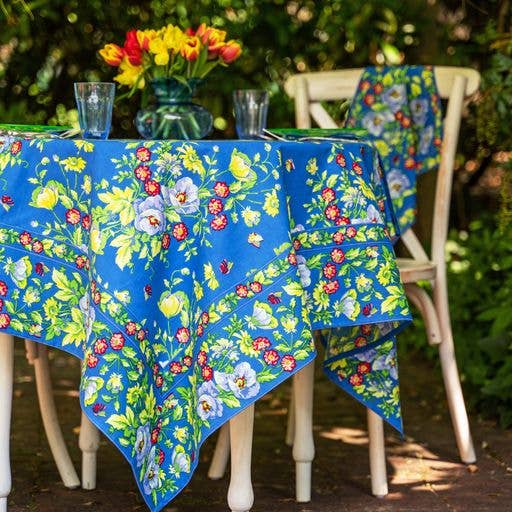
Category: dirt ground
<point>423,469</point>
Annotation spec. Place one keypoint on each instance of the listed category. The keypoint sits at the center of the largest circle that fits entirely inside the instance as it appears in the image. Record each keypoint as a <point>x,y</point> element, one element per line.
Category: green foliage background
<point>46,45</point>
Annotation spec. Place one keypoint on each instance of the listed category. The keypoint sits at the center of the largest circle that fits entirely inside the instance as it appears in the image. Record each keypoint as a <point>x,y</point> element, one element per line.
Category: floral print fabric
<point>401,110</point>
<point>188,277</point>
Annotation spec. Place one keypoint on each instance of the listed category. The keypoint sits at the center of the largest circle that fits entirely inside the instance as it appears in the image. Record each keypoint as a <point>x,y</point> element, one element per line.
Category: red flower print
<point>399,115</point>
<point>332,212</point>
<point>156,368</point>
<point>260,343</point>
<point>356,379</point>
<point>72,216</point>
<point>200,330</point>
<point>328,194</point>
<point>410,163</point>
<point>93,286</point>
<point>273,299</point>
<point>100,346</point>
<point>224,266</point>
<point>340,159</point>
<point>142,172</point>
<point>161,457</point>
<point>86,221</point>
<point>363,368</point>
<point>148,290</point>
<point>331,287</point>
<point>271,357</point>
<point>292,258</point>
<point>202,358</point>
<point>97,408</point>
<point>219,222</point>
<point>406,122</point>
<point>221,189</point>
<point>39,269</point>
<point>141,335</point>
<point>25,238</point>
<point>369,99</point>
<point>437,141</point>
<point>5,320</point>
<point>356,167</point>
<point>343,221</point>
<point>367,309</point>
<point>180,231</point>
<point>187,361</point>
<point>3,288</point>
<point>256,287</point>
<point>1,304</point>
<point>117,341</point>
<point>154,435</point>
<point>215,206</point>
<point>15,147</point>
<point>7,200</point>
<point>92,360</point>
<point>289,165</point>
<point>351,232</point>
<point>130,328</point>
<point>411,150</point>
<point>288,363</point>
<point>242,290</point>
<point>366,329</point>
<point>296,244</point>
<point>176,367</point>
<point>182,335</point>
<point>365,85</point>
<point>337,255</point>
<point>166,241</point>
<point>152,187</point>
<point>207,373</point>
<point>338,237</point>
<point>143,154</point>
<point>378,88</point>
<point>96,297</point>
<point>205,317</point>
<point>159,381</point>
<point>330,270</point>
<point>37,246</point>
<point>360,341</point>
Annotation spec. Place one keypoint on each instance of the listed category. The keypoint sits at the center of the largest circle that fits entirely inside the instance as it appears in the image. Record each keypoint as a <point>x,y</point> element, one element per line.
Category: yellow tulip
<point>174,38</point>
<point>47,198</point>
<point>130,75</point>
<point>158,47</point>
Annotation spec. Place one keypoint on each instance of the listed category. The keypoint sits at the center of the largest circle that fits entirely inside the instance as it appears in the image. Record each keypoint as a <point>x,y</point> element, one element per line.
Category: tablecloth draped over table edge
<point>35,266</point>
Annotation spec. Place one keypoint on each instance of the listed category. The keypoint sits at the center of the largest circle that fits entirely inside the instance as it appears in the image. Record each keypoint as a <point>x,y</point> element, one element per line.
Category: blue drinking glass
<point>95,101</point>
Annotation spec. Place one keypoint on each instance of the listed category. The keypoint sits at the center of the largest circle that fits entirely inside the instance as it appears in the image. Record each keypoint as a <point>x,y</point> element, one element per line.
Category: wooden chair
<point>308,91</point>
<point>456,85</point>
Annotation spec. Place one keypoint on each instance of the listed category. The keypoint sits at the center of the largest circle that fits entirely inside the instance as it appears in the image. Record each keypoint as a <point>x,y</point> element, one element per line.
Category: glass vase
<point>174,116</point>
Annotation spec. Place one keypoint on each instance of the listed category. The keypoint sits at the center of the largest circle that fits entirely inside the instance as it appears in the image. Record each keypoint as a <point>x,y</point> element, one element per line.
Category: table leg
<point>377,453</point>
<point>89,442</point>
<point>221,455</point>
<point>6,380</point>
<point>240,493</point>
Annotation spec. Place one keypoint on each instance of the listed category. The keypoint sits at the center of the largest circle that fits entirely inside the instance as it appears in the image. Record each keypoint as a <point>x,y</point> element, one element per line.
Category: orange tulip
<point>230,51</point>
<point>112,54</point>
<point>191,48</point>
<point>144,37</point>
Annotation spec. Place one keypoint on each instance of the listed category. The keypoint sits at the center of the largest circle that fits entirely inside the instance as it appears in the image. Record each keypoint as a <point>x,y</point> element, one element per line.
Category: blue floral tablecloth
<point>188,277</point>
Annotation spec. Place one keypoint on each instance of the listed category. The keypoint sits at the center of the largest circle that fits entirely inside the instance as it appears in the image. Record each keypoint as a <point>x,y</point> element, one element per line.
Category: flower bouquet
<point>174,62</point>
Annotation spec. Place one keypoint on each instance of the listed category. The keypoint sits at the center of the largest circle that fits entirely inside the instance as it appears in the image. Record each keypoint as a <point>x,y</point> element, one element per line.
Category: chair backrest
<point>454,84</point>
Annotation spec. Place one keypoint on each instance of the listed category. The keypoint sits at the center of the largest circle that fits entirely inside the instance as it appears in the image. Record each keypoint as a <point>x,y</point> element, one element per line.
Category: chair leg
<point>290,425</point>
<point>303,444</point>
<point>6,379</point>
<point>221,455</point>
<point>49,415</point>
<point>451,379</point>
<point>89,441</point>
<point>377,452</point>
<point>240,493</point>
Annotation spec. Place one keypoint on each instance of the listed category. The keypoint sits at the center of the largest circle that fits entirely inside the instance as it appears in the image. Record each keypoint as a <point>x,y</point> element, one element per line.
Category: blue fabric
<point>401,110</point>
<point>188,277</point>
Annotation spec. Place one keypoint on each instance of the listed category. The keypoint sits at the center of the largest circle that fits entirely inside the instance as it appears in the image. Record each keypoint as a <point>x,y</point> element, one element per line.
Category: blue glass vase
<point>174,115</point>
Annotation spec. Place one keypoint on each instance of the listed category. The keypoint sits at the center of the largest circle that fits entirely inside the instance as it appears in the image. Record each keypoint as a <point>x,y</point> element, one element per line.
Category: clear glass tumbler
<point>251,106</point>
<point>95,101</point>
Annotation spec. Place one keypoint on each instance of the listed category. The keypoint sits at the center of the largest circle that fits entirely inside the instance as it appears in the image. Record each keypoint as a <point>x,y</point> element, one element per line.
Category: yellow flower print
<point>47,198</point>
<point>312,166</point>
<point>240,167</point>
<point>251,217</point>
<point>84,145</point>
<point>255,239</point>
<point>86,187</point>
<point>191,159</point>
<point>271,205</point>
<point>73,163</point>
<point>181,434</point>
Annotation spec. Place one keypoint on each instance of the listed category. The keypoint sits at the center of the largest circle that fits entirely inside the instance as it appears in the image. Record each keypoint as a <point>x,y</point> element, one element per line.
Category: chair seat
<point>412,270</point>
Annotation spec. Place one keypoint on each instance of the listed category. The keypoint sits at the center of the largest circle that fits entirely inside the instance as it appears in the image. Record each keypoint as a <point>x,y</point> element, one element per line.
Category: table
<point>189,276</point>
